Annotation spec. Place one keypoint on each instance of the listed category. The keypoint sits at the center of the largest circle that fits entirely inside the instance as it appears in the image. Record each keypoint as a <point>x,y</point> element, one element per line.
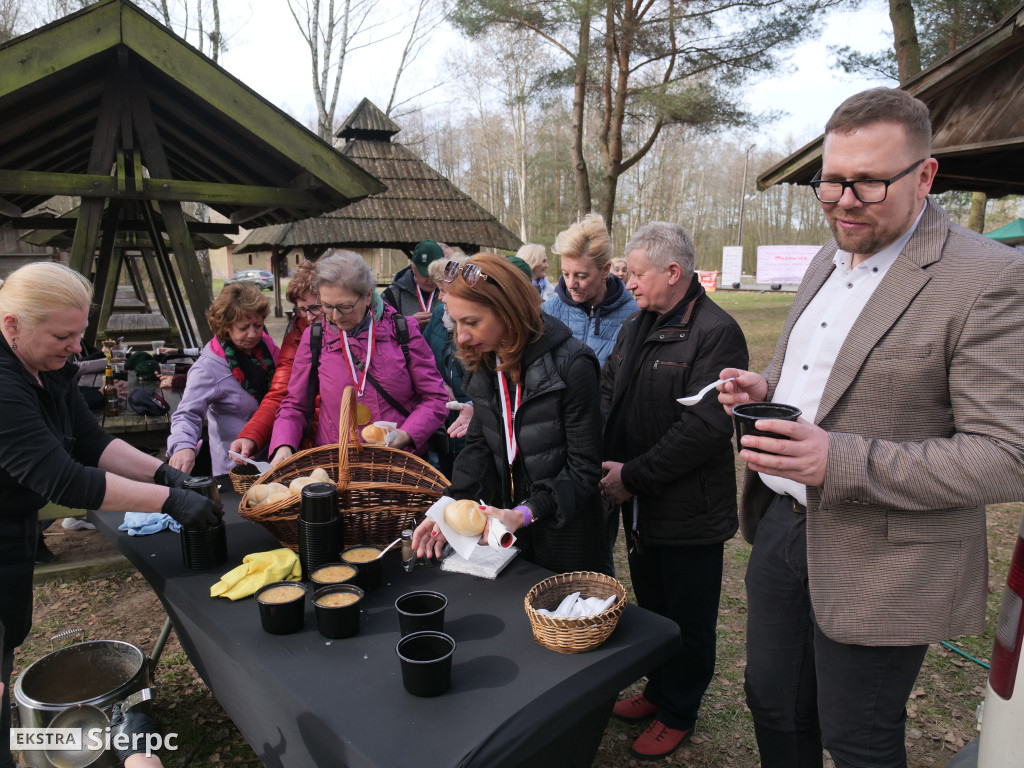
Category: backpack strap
<point>316,343</point>
<point>402,332</point>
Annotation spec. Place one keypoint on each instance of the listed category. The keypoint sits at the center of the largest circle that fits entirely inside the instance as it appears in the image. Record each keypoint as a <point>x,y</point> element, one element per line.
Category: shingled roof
<point>419,203</point>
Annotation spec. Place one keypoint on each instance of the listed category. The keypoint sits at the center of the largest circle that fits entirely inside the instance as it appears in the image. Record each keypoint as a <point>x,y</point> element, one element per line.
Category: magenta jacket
<point>419,387</point>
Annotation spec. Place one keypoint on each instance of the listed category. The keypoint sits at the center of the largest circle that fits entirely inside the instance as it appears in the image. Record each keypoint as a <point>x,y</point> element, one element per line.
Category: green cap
<point>425,253</point>
<point>515,261</point>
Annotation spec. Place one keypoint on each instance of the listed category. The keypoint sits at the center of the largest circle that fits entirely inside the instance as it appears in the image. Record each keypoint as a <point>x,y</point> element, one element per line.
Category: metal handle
<point>61,636</point>
<point>134,699</point>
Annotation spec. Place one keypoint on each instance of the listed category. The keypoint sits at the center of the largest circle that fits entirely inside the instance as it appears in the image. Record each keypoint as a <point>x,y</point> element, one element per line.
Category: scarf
<point>252,370</point>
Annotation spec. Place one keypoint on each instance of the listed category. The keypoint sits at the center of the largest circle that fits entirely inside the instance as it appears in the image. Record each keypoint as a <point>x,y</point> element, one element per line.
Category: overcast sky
<point>266,52</point>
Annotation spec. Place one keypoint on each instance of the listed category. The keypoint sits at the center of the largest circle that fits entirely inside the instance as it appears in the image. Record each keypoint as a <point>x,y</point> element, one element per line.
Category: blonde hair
<point>435,269</point>
<point>236,302</point>
<point>35,291</point>
<point>532,254</point>
<point>587,239</point>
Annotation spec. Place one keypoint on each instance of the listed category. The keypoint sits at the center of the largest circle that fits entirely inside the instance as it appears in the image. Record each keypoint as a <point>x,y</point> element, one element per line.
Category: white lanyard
<point>508,413</point>
<point>357,381</point>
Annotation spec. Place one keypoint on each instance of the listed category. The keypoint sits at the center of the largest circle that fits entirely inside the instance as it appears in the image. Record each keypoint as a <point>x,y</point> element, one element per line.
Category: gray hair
<point>662,243</point>
<point>344,269</point>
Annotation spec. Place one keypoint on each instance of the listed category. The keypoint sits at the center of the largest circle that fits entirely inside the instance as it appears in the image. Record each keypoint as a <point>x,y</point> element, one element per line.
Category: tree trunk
<point>976,221</point>
<point>579,160</point>
<point>904,32</point>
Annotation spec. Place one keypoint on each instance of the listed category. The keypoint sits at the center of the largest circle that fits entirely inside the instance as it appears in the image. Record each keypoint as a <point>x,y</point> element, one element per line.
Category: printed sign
<point>783,263</point>
<point>732,264</point>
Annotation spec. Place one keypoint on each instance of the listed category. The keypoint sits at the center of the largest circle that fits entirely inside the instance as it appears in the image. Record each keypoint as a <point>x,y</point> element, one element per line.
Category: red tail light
<point>1009,628</point>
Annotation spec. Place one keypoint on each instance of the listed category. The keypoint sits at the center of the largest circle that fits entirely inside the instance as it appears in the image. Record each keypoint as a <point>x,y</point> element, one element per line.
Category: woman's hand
<point>280,455</point>
<point>427,539</point>
<point>512,519</point>
<point>460,426</point>
<point>167,382</point>
<point>400,439</point>
<point>243,446</point>
<point>183,460</point>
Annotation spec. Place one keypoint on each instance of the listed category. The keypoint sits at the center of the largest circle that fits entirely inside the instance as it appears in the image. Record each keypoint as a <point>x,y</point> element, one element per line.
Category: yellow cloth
<point>256,570</point>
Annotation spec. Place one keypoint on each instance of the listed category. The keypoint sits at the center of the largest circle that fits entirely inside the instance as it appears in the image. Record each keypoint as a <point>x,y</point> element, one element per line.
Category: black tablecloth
<point>302,700</point>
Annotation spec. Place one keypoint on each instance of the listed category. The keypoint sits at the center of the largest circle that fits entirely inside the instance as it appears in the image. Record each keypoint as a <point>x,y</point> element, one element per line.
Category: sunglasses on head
<point>470,273</point>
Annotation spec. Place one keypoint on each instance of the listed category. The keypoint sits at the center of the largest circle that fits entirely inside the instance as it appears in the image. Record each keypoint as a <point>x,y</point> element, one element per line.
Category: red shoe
<point>659,741</point>
<point>635,708</point>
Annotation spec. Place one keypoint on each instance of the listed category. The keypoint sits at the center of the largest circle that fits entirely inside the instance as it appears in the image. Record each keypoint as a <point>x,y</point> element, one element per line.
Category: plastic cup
<point>338,621</point>
<point>167,369</point>
<point>157,343</point>
<point>319,503</point>
<point>205,548</point>
<point>745,416</point>
<point>332,574</point>
<point>426,659</point>
<point>369,567</point>
<point>421,611</point>
<point>282,617</point>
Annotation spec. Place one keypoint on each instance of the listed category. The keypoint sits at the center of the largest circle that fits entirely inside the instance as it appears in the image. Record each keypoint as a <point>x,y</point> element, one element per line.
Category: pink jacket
<point>419,387</point>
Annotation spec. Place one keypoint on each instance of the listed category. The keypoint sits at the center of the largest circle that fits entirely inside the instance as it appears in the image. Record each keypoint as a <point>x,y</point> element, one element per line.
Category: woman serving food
<point>533,450</point>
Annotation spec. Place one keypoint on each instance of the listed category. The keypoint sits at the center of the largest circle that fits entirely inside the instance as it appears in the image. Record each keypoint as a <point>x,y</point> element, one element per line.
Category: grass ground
<point>940,712</point>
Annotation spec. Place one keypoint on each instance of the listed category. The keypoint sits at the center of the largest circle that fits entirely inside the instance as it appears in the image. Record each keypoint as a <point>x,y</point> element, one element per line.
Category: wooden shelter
<point>110,106</point>
<point>418,204</point>
<point>976,100</point>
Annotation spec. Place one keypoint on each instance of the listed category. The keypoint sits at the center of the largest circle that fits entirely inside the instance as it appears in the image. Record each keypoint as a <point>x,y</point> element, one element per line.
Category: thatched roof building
<point>419,203</point>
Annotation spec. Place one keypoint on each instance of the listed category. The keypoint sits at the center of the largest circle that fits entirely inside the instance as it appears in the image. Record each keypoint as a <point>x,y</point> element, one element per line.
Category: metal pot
<point>97,673</point>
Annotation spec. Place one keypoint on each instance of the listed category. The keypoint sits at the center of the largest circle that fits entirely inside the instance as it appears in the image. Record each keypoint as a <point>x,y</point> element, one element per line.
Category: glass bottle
<point>109,392</point>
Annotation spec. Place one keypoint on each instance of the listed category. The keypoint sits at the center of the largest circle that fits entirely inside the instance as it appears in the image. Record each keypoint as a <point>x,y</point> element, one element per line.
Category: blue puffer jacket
<point>597,327</point>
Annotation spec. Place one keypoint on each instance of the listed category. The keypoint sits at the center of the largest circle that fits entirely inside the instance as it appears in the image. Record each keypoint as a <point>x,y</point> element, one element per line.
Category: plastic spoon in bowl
<point>389,546</point>
<point>694,399</point>
<point>262,466</point>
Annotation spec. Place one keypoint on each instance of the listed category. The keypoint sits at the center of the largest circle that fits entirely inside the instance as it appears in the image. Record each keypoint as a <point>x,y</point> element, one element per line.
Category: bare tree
<point>427,17</point>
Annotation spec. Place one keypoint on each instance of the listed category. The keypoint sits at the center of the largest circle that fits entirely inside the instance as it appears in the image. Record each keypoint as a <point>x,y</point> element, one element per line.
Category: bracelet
<point>527,515</point>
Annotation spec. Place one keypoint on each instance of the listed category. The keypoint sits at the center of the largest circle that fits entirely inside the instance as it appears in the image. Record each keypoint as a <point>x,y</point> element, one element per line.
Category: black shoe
<point>43,553</point>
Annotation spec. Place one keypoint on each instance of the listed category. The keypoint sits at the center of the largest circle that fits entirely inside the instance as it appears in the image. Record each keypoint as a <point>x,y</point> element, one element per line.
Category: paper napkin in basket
<point>257,570</point>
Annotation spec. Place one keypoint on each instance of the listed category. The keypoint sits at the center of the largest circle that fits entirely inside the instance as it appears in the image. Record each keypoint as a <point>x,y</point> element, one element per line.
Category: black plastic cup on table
<point>333,576</point>
<point>205,547</point>
<point>319,503</point>
<point>421,611</point>
<point>338,621</point>
<point>369,569</point>
<point>747,414</point>
<point>426,659</point>
<point>286,616</point>
<point>319,544</point>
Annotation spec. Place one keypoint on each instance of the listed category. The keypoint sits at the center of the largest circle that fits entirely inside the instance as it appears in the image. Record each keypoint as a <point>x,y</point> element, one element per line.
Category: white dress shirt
<point>819,333</point>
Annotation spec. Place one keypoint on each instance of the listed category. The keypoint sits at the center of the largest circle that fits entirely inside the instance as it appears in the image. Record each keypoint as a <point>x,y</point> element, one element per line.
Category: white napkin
<point>464,545</point>
<point>573,606</point>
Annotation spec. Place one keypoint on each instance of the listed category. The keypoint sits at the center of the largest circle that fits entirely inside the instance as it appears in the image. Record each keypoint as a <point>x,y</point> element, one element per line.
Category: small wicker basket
<point>579,634</point>
<point>243,476</point>
<point>381,490</point>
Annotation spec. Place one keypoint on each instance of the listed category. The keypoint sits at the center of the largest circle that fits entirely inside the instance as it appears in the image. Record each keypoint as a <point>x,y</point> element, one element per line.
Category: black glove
<point>191,509</point>
<point>137,728</point>
<point>170,477</point>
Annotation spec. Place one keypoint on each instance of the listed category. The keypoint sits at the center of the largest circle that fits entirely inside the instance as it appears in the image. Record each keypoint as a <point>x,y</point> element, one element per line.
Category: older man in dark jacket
<point>671,468</point>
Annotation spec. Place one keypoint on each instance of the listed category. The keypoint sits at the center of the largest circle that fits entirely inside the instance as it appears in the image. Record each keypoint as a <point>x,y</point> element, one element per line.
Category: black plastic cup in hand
<point>426,659</point>
<point>421,611</point>
<point>319,503</point>
<point>747,414</point>
<point>366,558</point>
<point>282,607</point>
<point>337,610</point>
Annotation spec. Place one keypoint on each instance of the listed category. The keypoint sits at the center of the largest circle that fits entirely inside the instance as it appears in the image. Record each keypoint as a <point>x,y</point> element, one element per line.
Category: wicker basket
<point>381,490</point>
<point>579,634</point>
<point>243,476</point>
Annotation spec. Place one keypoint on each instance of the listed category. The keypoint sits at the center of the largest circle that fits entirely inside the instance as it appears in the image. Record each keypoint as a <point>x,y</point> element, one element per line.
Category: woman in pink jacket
<point>362,348</point>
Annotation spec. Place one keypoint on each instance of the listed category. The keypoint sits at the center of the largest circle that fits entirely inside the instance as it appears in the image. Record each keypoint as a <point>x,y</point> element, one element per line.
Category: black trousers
<point>683,584</point>
<point>804,689</point>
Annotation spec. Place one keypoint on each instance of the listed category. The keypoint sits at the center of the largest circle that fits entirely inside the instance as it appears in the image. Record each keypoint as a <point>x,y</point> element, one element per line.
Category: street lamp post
<point>743,191</point>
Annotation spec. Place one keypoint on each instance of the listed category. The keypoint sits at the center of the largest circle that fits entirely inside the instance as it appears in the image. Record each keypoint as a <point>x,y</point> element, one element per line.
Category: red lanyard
<point>430,301</point>
<point>508,412</point>
<point>357,381</point>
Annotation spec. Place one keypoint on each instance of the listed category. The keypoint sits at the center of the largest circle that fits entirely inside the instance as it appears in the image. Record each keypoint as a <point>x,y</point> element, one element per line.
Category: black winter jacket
<point>558,431</point>
<point>402,293</point>
<point>677,461</point>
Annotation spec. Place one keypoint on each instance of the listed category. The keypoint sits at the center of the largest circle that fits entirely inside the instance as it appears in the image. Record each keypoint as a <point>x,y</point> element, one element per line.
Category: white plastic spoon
<point>389,546</point>
<point>694,399</point>
<point>262,466</point>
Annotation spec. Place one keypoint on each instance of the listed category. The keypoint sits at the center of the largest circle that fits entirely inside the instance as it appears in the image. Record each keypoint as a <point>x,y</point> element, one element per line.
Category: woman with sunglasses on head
<point>255,436</point>
<point>394,379</point>
<point>533,450</point>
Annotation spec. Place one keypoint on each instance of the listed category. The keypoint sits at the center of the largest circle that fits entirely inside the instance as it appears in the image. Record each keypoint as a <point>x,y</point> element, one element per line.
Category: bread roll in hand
<point>465,517</point>
<point>375,435</point>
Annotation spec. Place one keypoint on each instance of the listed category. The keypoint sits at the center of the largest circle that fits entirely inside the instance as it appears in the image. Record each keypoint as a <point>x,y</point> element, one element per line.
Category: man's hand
<point>749,387</point>
<point>422,318</point>
<point>611,484</point>
<point>803,458</point>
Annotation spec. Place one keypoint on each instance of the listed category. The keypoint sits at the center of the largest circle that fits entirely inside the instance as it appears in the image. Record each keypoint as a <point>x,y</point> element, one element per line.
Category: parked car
<point>1000,718</point>
<point>262,278</point>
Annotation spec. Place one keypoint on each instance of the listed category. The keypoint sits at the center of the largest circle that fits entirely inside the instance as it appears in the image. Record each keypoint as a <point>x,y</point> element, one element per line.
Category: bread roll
<point>465,518</point>
<point>319,475</point>
<point>276,497</point>
<point>296,485</point>
<point>375,435</point>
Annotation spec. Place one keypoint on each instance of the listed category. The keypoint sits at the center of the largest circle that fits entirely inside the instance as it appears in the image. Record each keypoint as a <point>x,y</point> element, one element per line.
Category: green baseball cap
<point>426,252</point>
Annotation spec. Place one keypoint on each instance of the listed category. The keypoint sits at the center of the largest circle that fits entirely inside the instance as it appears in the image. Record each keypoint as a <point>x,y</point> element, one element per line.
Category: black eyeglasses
<point>865,190</point>
<point>470,273</point>
<point>312,310</point>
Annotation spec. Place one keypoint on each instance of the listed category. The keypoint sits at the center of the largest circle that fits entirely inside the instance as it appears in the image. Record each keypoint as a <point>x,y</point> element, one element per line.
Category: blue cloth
<point>143,523</point>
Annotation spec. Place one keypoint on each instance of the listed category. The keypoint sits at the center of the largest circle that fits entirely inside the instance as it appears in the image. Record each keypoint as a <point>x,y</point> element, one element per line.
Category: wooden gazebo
<point>110,106</point>
<point>976,100</point>
<point>418,204</point>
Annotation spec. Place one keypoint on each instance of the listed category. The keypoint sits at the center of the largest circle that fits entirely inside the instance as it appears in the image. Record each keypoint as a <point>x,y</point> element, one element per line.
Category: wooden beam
<point>67,224</point>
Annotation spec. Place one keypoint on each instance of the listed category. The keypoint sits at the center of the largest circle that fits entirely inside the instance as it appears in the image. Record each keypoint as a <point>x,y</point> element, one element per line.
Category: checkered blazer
<point>925,410</point>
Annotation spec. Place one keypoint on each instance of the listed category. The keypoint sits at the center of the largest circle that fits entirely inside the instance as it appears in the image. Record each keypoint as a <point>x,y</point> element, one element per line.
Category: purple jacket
<point>419,388</point>
<point>212,392</point>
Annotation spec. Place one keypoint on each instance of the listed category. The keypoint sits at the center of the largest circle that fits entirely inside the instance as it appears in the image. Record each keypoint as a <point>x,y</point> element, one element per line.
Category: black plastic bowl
<point>426,662</point>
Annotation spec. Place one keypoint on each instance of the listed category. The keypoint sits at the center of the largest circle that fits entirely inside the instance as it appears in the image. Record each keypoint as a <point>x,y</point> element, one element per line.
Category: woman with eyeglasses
<point>533,450</point>
<point>395,378</point>
<point>228,381</point>
<point>255,436</point>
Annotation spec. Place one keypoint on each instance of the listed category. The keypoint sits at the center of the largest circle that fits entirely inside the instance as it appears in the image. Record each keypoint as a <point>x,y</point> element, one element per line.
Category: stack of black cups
<point>205,546</point>
<point>321,531</point>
